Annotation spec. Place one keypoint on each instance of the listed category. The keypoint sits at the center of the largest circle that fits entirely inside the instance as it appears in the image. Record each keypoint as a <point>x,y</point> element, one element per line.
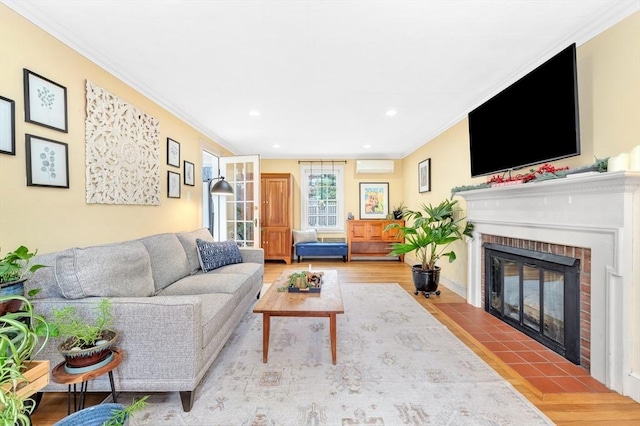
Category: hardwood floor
<point>563,391</point>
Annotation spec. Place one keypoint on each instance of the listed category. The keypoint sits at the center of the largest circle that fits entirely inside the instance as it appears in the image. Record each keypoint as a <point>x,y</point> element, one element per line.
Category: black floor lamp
<point>217,186</point>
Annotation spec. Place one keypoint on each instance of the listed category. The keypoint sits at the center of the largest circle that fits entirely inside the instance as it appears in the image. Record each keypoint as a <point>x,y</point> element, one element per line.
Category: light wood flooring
<point>563,391</point>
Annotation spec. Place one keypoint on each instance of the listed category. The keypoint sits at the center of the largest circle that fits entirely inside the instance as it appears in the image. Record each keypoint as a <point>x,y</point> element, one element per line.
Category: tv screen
<point>533,121</point>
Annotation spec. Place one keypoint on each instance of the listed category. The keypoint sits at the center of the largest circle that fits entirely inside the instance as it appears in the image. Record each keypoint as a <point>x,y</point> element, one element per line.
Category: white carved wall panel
<point>122,151</point>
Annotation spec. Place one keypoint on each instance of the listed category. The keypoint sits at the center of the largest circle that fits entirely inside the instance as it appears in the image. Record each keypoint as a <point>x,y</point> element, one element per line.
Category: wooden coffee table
<point>327,303</point>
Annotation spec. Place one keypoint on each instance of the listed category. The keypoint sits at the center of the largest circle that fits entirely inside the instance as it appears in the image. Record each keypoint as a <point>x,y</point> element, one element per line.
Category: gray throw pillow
<point>217,254</point>
<point>305,236</point>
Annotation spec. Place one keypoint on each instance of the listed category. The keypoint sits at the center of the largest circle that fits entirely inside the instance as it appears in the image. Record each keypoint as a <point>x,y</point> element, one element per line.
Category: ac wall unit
<point>374,166</point>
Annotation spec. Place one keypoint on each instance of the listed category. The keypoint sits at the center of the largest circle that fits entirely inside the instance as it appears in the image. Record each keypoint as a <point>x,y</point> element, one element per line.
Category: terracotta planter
<point>83,357</point>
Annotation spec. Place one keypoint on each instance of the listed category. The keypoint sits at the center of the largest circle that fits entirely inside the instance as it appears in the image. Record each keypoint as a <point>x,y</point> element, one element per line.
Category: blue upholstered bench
<point>321,249</point>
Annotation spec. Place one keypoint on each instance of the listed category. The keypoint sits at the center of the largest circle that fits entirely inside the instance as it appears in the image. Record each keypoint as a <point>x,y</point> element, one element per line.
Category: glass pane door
<point>241,216</point>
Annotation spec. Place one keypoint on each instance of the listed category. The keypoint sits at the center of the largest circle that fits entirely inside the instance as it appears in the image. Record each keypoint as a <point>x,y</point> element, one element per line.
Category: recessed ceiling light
<point>391,112</point>
<point>276,146</point>
<point>254,113</point>
<point>366,146</point>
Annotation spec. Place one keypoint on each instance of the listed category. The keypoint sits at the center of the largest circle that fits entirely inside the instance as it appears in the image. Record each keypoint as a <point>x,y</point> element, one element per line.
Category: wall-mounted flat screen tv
<point>533,121</point>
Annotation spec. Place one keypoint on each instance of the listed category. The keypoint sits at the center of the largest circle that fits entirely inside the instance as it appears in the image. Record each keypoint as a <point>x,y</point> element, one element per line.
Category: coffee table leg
<point>332,332</point>
<point>266,325</point>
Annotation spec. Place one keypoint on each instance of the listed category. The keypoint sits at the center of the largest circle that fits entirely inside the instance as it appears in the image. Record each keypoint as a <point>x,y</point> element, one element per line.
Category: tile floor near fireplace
<point>544,369</point>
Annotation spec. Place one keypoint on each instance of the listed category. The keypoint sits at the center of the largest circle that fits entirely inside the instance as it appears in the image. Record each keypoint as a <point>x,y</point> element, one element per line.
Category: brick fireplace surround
<point>594,217</point>
<point>584,255</point>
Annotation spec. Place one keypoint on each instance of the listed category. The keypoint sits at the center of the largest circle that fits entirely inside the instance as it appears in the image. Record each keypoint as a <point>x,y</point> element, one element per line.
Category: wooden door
<point>276,216</point>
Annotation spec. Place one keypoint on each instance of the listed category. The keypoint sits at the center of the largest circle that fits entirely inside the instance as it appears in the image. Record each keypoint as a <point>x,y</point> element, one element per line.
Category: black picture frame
<point>173,153</point>
<point>173,184</point>
<point>45,102</point>
<point>44,158</point>
<point>424,176</point>
<point>7,126</point>
<point>189,173</point>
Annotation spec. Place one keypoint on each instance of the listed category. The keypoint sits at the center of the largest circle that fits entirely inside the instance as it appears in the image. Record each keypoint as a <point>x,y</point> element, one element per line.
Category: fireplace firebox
<point>537,293</point>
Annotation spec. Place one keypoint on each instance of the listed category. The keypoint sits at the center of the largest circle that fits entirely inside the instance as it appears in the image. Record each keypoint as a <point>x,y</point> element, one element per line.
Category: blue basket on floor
<point>92,416</point>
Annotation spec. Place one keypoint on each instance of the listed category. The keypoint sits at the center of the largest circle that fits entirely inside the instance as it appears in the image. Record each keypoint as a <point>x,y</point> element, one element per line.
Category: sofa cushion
<point>204,283</point>
<point>169,261</point>
<point>45,278</point>
<point>213,255</point>
<point>305,236</point>
<point>188,240</point>
<point>110,270</point>
<point>246,269</point>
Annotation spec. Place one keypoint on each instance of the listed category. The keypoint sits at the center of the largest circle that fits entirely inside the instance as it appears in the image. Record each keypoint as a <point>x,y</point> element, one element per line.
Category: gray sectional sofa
<point>171,317</point>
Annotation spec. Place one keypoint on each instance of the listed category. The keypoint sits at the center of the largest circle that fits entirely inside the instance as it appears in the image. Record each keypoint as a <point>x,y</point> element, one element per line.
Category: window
<point>322,203</point>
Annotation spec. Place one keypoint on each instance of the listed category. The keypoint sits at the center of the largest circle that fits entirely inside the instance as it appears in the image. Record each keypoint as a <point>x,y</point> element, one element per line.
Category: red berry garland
<point>545,168</point>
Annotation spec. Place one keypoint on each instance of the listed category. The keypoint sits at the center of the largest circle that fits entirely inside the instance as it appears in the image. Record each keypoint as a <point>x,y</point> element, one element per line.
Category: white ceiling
<point>321,73</point>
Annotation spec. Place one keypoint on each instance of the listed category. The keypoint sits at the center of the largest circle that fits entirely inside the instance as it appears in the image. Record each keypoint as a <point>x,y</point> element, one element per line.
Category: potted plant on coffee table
<point>87,344</point>
<point>14,271</point>
<point>431,231</point>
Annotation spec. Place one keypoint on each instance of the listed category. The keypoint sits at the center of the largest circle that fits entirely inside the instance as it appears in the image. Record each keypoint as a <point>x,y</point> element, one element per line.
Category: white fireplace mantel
<point>598,211</point>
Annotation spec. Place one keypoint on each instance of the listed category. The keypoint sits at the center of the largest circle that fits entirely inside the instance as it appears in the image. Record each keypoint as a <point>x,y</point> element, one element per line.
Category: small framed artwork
<point>173,185</point>
<point>189,173</point>
<point>47,162</point>
<point>173,153</point>
<point>45,102</point>
<point>374,200</point>
<point>7,126</point>
<point>424,175</point>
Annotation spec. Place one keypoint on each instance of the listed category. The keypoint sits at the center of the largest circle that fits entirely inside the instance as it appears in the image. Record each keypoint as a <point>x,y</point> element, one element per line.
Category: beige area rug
<point>397,365</point>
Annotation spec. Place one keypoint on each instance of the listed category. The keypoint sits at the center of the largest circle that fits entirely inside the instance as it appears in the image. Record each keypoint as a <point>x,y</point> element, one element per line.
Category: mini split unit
<point>374,166</point>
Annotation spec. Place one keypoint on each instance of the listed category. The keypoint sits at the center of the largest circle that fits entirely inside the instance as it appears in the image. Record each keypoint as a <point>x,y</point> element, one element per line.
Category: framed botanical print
<point>7,126</point>
<point>374,200</point>
<point>45,102</point>
<point>189,173</point>
<point>173,153</point>
<point>424,175</point>
<point>47,162</point>
<point>173,185</point>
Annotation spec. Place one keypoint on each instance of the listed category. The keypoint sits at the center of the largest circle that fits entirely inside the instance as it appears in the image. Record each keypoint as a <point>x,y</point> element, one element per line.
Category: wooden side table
<point>61,376</point>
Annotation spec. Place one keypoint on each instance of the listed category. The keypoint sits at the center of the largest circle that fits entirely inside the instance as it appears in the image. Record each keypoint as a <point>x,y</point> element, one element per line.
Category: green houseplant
<point>398,211</point>
<point>86,342</point>
<point>14,271</point>
<point>431,231</point>
<point>22,335</point>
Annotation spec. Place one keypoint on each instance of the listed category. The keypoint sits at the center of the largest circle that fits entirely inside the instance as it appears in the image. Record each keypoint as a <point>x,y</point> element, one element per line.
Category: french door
<point>240,213</point>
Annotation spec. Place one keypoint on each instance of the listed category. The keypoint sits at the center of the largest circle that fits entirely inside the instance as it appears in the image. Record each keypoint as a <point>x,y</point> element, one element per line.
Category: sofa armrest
<point>252,254</point>
<point>152,327</point>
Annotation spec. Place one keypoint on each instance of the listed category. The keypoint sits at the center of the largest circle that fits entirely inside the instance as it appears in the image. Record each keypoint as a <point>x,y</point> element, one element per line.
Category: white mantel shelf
<point>598,211</point>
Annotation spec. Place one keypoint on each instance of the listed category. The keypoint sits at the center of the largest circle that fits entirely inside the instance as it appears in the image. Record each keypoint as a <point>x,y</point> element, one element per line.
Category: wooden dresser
<point>367,238</point>
<point>276,215</point>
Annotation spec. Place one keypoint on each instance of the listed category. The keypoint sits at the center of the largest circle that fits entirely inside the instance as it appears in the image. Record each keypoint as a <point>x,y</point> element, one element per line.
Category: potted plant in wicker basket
<point>87,343</point>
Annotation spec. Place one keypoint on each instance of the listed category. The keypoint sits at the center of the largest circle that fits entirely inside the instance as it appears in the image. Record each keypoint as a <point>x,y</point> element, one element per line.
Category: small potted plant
<point>398,211</point>
<point>14,271</point>
<point>432,230</point>
<point>22,335</point>
<point>87,343</point>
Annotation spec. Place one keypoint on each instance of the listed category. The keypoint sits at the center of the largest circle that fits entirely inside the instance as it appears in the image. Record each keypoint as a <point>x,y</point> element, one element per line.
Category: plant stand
<point>427,293</point>
<point>60,375</point>
<point>37,376</point>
